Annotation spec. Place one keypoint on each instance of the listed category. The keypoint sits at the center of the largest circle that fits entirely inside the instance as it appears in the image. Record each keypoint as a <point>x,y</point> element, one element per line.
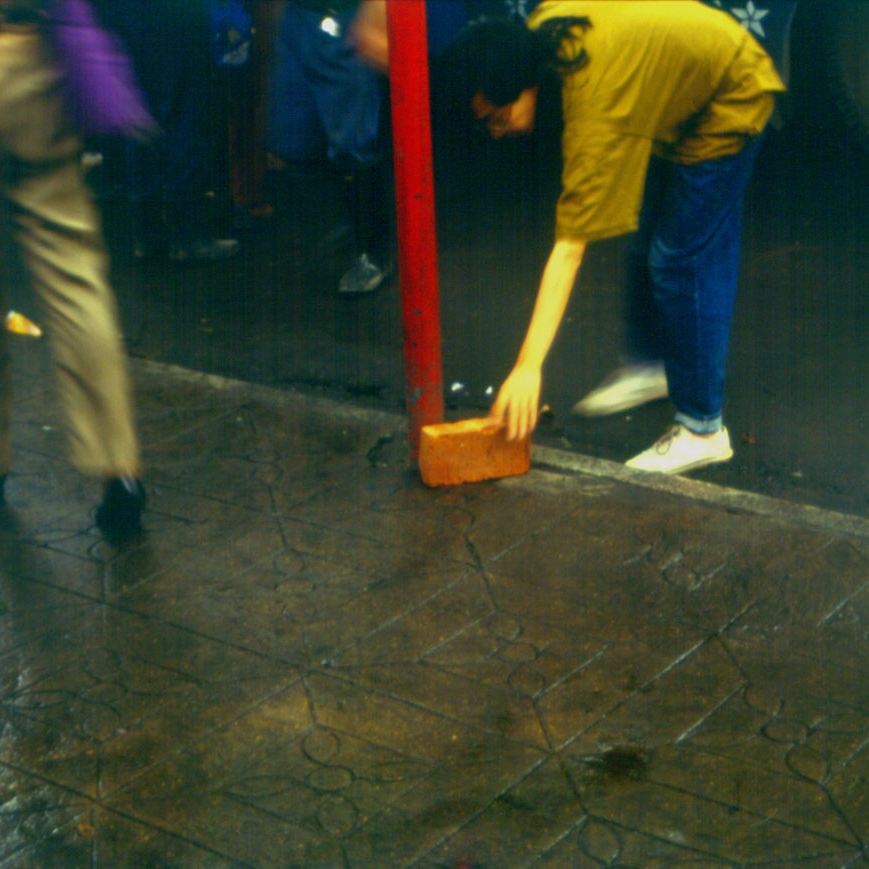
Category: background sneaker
<point>681,450</point>
<point>364,276</point>
<point>626,387</point>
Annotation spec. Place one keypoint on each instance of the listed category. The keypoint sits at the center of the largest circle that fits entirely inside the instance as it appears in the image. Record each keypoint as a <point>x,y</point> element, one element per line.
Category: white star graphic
<point>751,16</point>
<point>518,7</point>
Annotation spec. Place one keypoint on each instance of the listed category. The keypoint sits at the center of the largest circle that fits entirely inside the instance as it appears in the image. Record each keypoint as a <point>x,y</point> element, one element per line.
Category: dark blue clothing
<point>683,270</point>
<point>170,44</point>
<point>324,100</point>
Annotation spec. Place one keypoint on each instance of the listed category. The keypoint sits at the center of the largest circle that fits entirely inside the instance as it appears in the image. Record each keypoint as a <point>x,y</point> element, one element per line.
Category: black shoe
<point>148,248</point>
<point>206,250</point>
<point>149,228</point>
<point>246,218</point>
<point>119,515</point>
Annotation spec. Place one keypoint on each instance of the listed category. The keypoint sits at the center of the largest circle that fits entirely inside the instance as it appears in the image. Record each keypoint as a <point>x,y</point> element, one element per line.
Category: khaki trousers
<point>46,204</point>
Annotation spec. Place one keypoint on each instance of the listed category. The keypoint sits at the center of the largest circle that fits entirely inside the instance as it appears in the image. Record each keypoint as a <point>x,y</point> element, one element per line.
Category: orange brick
<point>468,451</point>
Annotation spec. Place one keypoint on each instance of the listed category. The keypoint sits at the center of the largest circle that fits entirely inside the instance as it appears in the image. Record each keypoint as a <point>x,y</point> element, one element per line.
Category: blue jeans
<point>323,98</point>
<point>683,270</point>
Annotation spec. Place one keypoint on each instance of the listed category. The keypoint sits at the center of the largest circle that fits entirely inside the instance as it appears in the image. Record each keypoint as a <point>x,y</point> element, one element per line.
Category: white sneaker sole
<point>618,396</point>
<point>597,407</point>
<point>685,467</point>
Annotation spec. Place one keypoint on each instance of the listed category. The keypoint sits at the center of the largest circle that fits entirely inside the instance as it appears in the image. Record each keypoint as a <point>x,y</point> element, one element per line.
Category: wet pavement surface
<point>312,660</point>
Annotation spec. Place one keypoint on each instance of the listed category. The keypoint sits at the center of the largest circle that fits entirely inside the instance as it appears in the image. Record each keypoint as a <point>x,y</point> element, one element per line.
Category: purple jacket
<point>104,97</point>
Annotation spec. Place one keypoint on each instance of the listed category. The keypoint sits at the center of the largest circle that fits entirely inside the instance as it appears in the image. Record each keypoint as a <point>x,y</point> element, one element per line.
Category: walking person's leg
<point>5,398</point>
<point>350,100</point>
<point>58,232</point>
<point>62,248</point>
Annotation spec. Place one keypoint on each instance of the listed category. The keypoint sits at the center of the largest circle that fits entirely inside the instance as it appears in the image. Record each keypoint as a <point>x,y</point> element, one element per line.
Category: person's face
<point>514,119</point>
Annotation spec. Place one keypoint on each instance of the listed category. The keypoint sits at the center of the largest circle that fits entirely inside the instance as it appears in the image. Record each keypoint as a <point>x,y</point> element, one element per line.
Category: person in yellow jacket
<point>664,106</point>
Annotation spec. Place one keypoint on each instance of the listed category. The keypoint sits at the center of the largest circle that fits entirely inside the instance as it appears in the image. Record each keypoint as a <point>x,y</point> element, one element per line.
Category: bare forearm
<point>552,298</point>
<point>518,399</point>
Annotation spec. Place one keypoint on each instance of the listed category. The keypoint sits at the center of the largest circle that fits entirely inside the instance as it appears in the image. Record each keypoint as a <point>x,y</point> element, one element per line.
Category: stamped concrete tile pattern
<point>311,660</point>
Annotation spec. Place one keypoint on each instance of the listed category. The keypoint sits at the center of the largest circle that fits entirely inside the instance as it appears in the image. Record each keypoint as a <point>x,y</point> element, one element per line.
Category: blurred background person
<point>326,103</point>
<point>47,207</point>
<point>178,195</point>
<point>245,74</point>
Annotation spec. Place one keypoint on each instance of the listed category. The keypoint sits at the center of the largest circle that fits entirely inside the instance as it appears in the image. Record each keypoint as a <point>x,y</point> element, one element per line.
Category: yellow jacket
<point>671,77</point>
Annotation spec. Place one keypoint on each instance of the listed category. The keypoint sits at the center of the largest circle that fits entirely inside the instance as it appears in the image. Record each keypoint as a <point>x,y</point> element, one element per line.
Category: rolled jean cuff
<point>700,426</point>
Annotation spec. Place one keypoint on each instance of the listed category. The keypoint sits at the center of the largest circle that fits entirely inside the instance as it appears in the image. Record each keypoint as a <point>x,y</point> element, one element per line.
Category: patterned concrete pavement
<point>311,660</point>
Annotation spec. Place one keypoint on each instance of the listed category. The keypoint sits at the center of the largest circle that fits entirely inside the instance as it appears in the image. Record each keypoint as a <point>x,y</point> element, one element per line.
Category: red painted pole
<point>414,195</point>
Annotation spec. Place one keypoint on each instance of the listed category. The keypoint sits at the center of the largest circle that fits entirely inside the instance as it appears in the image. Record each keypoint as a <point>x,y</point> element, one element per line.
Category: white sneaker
<point>681,450</point>
<point>626,387</point>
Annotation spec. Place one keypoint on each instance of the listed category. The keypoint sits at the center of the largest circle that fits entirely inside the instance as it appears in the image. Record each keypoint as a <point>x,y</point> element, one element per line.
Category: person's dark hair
<point>501,59</point>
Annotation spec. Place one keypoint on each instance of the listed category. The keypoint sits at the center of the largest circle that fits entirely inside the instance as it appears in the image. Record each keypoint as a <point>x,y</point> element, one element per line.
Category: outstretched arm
<point>518,399</point>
